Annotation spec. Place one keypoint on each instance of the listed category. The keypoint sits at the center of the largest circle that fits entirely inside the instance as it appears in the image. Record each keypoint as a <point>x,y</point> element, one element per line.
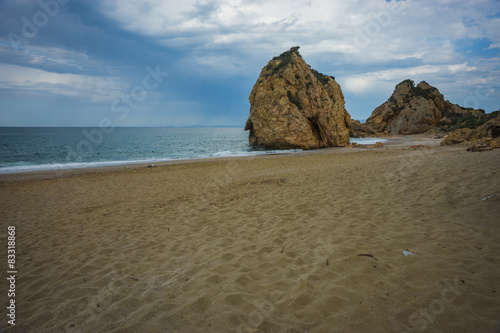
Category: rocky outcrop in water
<point>294,106</point>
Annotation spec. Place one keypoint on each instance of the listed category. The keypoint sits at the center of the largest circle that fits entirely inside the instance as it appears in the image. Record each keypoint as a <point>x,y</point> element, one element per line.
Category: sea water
<point>41,148</point>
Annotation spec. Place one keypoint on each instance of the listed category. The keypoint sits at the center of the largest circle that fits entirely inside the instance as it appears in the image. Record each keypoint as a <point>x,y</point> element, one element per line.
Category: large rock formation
<point>294,106</point>
<point>414,110</point>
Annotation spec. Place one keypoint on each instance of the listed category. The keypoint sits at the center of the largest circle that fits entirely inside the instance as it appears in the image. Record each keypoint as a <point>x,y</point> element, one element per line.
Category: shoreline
<point>391,141</point>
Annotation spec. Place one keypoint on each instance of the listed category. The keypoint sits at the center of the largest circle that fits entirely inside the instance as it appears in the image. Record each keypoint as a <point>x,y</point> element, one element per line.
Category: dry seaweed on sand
<point>366,255</point>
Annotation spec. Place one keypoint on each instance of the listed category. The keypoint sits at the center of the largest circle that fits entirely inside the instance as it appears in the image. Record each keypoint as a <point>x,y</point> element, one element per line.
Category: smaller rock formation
<point>358,130</point>
<point>484,133</point>
<point>294,106</point>
<point>415,110</point>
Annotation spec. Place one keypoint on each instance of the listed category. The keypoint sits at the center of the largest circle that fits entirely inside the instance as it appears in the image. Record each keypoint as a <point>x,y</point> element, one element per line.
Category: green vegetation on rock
<point>469,120</point>
<point>418,91</point>
<point>322,77</point>
<point>286,58</point>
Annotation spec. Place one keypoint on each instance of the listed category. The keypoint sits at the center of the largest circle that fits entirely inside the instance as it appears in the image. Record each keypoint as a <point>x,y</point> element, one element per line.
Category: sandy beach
<point>302,242</point>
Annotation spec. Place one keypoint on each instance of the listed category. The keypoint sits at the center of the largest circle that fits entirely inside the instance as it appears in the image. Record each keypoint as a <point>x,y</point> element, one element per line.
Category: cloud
<point>373,81</point>
<point>52,59</point>
<point>31,80</point>
<point>377,29</point>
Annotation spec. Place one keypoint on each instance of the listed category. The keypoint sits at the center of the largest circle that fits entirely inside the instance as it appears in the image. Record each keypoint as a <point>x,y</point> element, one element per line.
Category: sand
<point>285,243</point>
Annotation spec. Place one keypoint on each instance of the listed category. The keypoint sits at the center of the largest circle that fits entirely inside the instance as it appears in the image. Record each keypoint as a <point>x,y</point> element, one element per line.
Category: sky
<point>162,63</point>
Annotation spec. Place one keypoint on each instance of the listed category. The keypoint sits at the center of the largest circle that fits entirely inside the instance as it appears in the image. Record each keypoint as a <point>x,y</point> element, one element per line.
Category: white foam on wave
<point>367,141</point>
<point>227,153</point>
<point>74,165</point>
<point>84,165</point>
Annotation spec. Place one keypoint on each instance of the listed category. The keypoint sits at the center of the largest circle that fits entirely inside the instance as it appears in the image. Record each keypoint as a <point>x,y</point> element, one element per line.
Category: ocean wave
<point>253,152</point>
<point>367,141</point>
<point>26,167</point>
<point>64,166</point>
